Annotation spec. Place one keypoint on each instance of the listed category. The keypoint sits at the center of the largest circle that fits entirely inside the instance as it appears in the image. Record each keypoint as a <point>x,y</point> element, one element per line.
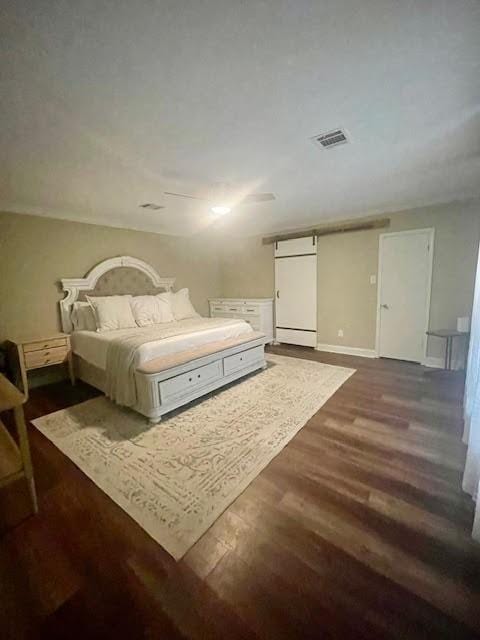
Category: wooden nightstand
<point>35,353</point>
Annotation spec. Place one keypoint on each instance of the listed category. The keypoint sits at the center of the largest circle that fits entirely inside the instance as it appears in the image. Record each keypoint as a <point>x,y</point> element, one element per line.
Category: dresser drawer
<point>183,385</point>
<point>217,308</point>
<point>258,312</point>
<point>251,310</point>
<point>222,314</point>
<point>44,357</point>
<point>44,344</point>
<point>242,360</point>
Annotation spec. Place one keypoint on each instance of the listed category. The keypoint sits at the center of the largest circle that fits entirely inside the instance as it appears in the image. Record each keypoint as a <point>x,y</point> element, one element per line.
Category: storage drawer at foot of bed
<point>185,384</point>
<point>242,360</point>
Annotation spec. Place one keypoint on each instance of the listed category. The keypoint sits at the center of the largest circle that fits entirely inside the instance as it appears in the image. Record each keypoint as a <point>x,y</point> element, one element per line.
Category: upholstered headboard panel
<point>115,276</point>
<point>121,281</point>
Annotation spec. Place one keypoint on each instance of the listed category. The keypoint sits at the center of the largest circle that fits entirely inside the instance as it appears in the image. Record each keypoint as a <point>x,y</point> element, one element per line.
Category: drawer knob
<point>190,379</point>
<point>198,376</point>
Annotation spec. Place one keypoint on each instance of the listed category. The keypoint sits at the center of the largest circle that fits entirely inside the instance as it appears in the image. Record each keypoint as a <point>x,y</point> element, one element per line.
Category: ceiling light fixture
<point>221,209</point>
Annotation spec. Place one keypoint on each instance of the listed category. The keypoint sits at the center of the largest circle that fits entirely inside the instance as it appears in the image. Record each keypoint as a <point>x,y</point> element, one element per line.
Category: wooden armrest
<point>10,460</point>
<point>10,396</point>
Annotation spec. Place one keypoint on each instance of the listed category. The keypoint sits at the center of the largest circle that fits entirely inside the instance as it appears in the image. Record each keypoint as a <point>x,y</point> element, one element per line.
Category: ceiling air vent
<point>152,206</point>
<point>331,139</point>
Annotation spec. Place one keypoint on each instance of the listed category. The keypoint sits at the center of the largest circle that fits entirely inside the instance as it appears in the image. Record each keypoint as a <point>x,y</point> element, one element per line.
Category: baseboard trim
<point>433,362</point>
<point>348,351</point>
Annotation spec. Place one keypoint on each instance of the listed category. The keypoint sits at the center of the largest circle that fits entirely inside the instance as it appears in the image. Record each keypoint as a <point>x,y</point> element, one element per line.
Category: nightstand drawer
<point>44,344</point>
<point>44,357</point>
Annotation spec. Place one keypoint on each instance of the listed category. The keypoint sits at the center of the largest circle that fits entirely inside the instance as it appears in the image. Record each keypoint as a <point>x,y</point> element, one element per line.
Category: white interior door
<point>296,292</point>
<point>405,272</point>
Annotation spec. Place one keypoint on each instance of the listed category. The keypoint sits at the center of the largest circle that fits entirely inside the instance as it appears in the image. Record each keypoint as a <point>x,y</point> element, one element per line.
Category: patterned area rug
<point>177,477</point>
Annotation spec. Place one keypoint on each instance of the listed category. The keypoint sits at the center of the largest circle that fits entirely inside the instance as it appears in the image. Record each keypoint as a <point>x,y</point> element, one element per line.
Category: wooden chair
<point>15,461</point>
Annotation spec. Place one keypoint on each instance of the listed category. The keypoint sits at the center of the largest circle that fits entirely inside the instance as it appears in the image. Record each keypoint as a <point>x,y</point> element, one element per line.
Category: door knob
<point>384,306</point>
<point>278,293</point>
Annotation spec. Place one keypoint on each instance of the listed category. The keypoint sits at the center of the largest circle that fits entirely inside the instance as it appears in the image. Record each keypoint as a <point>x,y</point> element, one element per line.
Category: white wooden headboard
<point>74,286</point>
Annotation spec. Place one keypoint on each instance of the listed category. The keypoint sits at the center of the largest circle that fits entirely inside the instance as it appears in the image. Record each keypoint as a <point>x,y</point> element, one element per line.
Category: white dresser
<point>258,312</point>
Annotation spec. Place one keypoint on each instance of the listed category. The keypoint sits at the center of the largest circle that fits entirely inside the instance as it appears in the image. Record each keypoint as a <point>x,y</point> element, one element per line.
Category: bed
<point>159,368</point>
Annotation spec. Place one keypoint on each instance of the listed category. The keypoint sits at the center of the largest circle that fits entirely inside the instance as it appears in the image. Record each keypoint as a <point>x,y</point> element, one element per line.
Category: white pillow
<point>83,317</point>
<point>112,312</point>
<point>148,310</point>
<point>180,304</point>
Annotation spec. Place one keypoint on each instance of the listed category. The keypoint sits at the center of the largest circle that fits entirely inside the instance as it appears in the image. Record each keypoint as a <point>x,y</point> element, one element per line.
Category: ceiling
<point>107,104</point>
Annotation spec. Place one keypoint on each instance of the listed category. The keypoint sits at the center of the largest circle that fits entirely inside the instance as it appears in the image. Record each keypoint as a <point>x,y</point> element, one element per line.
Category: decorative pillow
<point>180,304</point>
<point>83,317</point>
<point>112,312</point>
<point>148,310</point>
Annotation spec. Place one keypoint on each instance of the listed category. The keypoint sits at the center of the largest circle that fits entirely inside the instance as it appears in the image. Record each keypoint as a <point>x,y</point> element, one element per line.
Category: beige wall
<point>36,252</point>
<point>247,268</point>
<point>346,299</point>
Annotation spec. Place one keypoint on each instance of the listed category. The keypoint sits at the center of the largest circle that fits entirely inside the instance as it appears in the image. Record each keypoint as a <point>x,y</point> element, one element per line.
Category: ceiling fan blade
<point>182,195</point>
<point>257,197</point>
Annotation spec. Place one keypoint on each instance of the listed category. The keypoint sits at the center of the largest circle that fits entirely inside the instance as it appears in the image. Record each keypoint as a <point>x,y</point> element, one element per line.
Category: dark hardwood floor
<point>358,529</point>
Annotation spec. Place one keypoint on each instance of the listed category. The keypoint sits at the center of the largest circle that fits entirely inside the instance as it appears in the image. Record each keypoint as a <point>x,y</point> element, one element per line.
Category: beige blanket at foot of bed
<point>120,370</point>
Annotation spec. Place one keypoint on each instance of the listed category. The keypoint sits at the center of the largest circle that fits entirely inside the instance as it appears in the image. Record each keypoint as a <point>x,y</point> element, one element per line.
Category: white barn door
<point>405,277</point>
<point>296,291</point>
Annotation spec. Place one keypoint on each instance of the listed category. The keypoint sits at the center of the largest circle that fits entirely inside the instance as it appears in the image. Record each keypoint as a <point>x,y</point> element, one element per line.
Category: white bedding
<point>93,346</point>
